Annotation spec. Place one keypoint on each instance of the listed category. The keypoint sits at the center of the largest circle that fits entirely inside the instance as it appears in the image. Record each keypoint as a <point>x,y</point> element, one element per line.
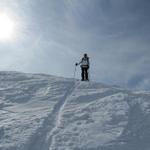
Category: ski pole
<point>74,75</point>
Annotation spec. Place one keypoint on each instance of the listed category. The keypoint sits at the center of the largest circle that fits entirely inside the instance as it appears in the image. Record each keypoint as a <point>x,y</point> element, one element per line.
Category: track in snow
<point>43,137</point>
<point>58,118</point>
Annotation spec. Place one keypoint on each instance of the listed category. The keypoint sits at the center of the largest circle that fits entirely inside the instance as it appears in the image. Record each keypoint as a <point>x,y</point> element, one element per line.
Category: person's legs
<point>84,74</point>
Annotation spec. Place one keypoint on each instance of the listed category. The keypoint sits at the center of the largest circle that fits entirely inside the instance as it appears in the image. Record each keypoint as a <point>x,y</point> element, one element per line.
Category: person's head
<point>85,55</point>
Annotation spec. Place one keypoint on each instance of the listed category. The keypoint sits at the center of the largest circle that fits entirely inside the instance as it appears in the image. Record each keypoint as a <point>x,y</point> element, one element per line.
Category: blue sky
<point>51,35</point>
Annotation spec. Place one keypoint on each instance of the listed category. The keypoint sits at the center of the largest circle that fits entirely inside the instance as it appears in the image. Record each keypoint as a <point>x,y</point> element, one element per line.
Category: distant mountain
<point>43,112</point>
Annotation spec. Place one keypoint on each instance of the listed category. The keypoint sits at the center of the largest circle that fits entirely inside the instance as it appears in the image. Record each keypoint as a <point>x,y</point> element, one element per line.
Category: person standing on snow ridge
<point>84,64</point>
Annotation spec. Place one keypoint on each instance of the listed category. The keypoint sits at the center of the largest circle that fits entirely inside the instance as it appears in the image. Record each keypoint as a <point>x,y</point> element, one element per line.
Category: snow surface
<point>43,112</point>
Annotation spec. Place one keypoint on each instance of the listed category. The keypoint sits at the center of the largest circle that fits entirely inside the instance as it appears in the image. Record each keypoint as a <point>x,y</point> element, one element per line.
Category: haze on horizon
<point>49,36</point>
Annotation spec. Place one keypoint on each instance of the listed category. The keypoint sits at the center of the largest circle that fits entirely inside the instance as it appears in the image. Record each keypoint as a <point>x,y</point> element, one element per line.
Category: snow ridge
<point>43,112</point>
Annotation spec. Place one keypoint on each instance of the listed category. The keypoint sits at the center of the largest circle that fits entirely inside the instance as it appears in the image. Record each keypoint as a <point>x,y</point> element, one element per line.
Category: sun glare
<point>6,27</point>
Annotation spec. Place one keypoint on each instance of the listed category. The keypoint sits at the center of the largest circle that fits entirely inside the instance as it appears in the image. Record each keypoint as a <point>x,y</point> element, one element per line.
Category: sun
<point>6,27</point>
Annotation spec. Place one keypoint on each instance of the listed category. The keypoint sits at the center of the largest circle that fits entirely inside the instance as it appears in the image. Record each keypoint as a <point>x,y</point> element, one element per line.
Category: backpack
<point>85,62</point>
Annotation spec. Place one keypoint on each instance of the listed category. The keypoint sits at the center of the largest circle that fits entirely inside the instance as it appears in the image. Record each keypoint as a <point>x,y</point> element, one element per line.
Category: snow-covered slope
<point>42,112</point>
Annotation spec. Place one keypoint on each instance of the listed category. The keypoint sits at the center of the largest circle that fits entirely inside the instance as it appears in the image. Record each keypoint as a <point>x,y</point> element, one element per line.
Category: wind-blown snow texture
<point>42,112</point>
